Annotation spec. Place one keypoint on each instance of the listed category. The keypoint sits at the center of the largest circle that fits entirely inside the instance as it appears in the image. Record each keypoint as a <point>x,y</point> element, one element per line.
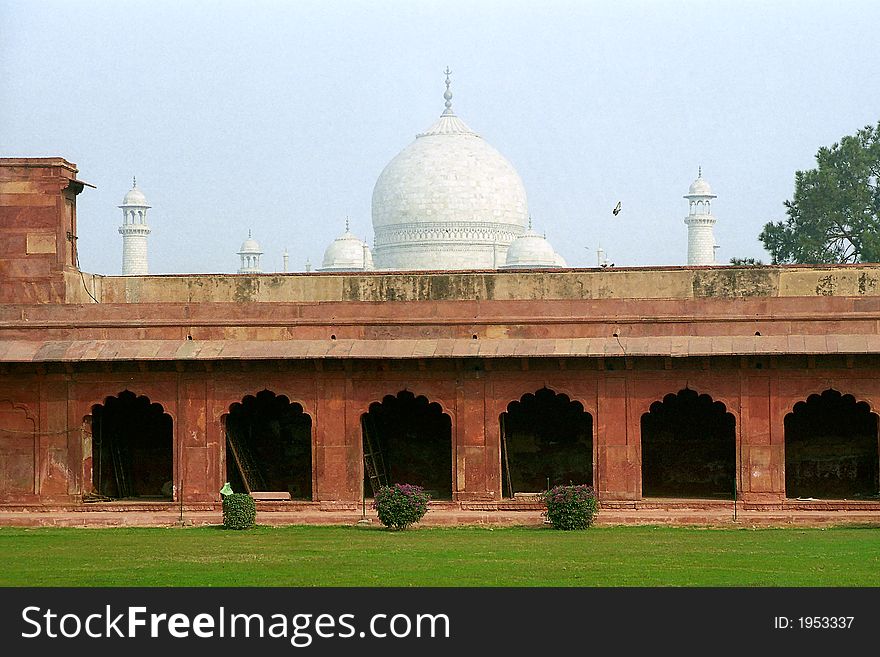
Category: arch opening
<point>132,449</point>
<point>269,446</point>
<point>831,448</point>
<point>546,440</point>
<point>688,448</point>
<point>407,439</point>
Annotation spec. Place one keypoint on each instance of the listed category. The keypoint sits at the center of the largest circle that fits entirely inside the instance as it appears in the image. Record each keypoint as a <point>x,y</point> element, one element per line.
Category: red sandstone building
<point>659,386</point>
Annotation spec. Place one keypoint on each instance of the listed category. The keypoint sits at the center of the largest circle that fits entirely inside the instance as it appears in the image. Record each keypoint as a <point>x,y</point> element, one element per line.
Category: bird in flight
<point>616,210</point>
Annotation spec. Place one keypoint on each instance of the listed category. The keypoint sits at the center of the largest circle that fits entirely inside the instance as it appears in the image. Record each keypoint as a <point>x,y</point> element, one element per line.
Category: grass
<point>469,556</point>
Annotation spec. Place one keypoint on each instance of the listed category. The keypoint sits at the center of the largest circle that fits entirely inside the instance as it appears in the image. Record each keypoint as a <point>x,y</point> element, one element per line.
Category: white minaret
<point>250,256</point>
<point>134,231</point>
<point>701,240</point>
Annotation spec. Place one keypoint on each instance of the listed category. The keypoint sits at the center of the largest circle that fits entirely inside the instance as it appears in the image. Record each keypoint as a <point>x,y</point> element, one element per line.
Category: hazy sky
<point>279,116</point>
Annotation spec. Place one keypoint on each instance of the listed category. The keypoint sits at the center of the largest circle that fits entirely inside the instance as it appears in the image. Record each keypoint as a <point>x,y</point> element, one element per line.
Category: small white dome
<point>135,197</point>
<point>700,188</point>
<point>250,245</point>
<point>531,251</point>
<point>347,253</point>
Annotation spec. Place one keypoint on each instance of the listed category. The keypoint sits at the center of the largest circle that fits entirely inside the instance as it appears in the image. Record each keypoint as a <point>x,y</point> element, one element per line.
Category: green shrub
<point>570,507</point>
<point>401,505</point>
<point>239,511</point>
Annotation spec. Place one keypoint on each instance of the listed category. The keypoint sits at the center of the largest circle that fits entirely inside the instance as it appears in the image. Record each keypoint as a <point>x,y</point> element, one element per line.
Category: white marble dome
<point>347,253</point>
<point>250,245</point>
<point>447,201</point>
<point>531,250</point>
<point>135,197</point>
<point>700,188</point>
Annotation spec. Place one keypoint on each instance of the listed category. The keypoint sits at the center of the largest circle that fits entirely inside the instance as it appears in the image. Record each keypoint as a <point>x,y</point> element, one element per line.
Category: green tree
<point>746,262</point>
<point>835,213</point>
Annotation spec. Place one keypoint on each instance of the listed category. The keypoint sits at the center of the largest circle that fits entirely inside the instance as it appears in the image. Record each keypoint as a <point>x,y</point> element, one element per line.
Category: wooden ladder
<point>374,464</point>
<point>120,471</point>
<point>244,461</point>
<point>504,452</point>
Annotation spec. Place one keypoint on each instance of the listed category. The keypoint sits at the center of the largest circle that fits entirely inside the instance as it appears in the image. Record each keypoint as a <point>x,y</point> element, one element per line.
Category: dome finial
<point>448,94</point>
<point>346,224</point>
<point>530,222</point>
<point>249,233</point>
<point>134,182</point>
<point>699,172</point>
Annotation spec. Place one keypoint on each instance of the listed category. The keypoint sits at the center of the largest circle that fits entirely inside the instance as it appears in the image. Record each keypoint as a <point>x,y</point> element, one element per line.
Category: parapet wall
<point>623,283</point>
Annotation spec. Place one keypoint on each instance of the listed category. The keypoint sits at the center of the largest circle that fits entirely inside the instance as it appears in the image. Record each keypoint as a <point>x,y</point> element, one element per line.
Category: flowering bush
<point>401,505</point>
<point>570,507</point>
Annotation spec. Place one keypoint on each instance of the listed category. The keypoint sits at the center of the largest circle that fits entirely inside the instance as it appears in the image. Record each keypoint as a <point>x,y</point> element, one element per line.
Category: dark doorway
<point>546,439</point>
<point>688,448</point>
<point>132,448</point>
<point>408,440</point>
<point>831,448</point>
<point>269,446</point>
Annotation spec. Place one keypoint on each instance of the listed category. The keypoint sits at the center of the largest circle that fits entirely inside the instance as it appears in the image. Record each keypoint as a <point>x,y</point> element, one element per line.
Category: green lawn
<point>357,556</point>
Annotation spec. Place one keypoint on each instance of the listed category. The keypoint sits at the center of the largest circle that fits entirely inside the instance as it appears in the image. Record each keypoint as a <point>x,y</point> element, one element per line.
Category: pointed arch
<point>408,439</point>
<point>132,448</point>
<point>831,448</point>
<point>269,446</point>
<point>546,438</point>
<point>688,447</point>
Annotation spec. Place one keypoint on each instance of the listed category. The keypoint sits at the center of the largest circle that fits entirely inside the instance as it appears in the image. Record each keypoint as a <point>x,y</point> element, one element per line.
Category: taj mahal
<point>448,201</point>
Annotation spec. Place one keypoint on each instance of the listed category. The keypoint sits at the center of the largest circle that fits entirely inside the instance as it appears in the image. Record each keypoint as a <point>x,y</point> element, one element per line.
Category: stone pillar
<point>58,480</point>
<point>762,462</point>
<point>471,462</point>
<point>191,454</point>
<point>337,440</point>
<point>617,472</point>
